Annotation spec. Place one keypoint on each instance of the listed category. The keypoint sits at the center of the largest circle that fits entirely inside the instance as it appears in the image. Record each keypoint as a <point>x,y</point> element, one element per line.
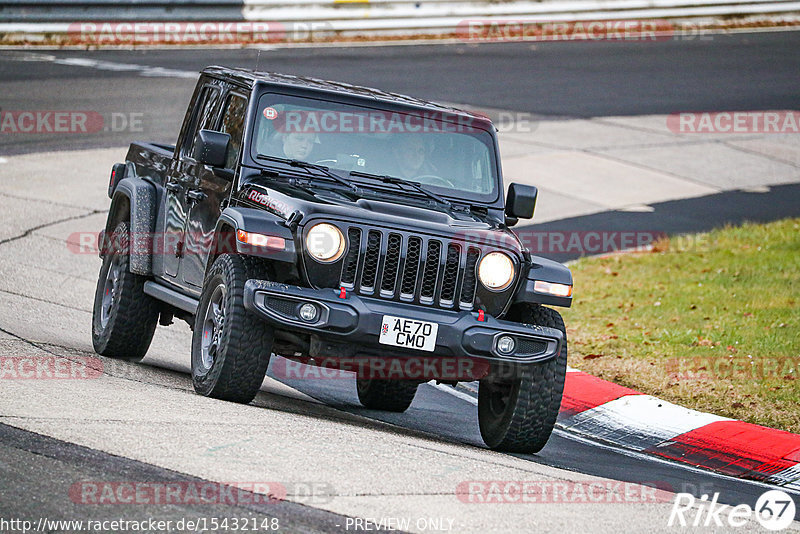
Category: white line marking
<point>642,456</point>
<point>3,160</point>
<point>638,421</point>
<point>638,208</point>
<point>788,478</point>
<point>146,71</point>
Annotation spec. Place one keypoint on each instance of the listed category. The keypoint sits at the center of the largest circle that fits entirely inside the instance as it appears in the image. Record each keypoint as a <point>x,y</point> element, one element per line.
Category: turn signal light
<point>261,240</point>
<point>558,290</point>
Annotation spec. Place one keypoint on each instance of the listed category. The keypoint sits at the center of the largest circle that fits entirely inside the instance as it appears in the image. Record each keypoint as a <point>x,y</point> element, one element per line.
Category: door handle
<point>173,186</point>
<point>196,195</point>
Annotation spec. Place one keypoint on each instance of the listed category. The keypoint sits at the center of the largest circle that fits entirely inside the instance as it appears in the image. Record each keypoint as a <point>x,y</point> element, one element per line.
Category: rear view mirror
<point>211,148</point>
<point>520,202</point>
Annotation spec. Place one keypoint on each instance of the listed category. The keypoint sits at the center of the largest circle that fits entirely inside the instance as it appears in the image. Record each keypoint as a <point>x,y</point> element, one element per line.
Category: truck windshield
<point>451,154</point>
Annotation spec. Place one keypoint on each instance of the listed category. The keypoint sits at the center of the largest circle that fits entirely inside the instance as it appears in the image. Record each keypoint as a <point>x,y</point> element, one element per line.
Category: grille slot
<point>431,272</point>
<point>470,277</point>
<point>411,270</point>
<point>351,260</point>
<point>373,253</point>
<point>392,264</point>
<point>449,279</point>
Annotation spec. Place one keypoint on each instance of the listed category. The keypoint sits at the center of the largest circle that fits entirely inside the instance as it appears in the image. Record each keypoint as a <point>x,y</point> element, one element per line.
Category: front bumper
<point>358,320</point>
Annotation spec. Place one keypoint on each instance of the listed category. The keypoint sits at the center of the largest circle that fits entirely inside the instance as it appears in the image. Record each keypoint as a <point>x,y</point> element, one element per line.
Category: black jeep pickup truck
<point>342,227</point>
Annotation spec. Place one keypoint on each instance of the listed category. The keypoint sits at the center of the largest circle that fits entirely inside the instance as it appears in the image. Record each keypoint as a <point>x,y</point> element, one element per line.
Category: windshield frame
<point>482,126</point>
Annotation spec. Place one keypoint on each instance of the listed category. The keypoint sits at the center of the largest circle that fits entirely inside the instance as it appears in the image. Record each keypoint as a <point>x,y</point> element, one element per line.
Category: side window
<point>233,124</point>
<point>203,118</point>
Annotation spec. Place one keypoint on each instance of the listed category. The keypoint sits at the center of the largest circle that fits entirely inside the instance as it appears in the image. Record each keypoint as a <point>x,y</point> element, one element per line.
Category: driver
<point>410,157</point>
<point>298,145</point>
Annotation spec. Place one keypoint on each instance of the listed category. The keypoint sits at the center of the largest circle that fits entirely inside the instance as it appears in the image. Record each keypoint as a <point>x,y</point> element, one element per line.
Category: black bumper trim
<point>358,320</point>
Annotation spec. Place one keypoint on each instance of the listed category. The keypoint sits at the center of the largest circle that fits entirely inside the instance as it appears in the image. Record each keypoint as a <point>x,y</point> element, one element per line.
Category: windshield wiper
<point>306,166</point>
<point>400,181</point>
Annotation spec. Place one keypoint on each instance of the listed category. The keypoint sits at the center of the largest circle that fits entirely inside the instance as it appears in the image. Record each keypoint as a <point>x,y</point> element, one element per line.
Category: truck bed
<point>151,159</point>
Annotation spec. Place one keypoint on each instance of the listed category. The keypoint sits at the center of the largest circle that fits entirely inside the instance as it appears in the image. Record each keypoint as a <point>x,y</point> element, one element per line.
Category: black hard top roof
<point>250,78</point>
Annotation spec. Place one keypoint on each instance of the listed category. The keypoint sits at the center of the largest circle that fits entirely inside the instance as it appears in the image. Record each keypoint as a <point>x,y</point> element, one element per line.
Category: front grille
<point>411,268</point>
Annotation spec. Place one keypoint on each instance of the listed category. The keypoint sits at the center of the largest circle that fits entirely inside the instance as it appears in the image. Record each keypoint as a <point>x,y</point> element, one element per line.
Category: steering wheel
<point>326,162</point>
<point>435,178</point>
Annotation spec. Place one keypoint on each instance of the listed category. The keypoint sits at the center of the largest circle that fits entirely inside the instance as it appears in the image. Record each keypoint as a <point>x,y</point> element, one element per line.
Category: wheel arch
<point>233,219</point>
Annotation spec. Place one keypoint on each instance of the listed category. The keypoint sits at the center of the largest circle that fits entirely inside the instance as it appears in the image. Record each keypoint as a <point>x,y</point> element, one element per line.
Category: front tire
<point>124,318</point>
<point>230,346</point>
<point>386,395</point>
<point>518,414</point>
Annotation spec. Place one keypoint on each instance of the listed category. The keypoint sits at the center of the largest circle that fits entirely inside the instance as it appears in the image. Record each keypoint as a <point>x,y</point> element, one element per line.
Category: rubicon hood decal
<point>273,205</point>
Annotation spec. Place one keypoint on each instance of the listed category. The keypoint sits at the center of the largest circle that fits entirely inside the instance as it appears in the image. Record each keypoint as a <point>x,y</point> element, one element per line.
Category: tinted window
<point>451,154</point>
<point>233,124</point>
<point>203,117</point>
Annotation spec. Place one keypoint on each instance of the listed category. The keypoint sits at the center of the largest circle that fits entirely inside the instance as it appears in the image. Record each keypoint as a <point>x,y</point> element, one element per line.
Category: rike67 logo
<point>774,510</point>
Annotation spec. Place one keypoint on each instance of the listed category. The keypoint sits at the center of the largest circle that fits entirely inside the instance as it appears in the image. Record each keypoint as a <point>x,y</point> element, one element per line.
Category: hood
<point>314,203</point>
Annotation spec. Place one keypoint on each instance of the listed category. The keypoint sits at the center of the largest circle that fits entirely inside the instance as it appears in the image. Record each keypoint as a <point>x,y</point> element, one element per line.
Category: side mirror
<point>520,202</point>
<point>211,148</point>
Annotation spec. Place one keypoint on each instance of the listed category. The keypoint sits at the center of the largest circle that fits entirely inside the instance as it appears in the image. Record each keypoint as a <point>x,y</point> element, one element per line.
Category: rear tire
<point>124,318</point>
<point>518,414</point>
<point>230,346</point>
<point>386,395</point>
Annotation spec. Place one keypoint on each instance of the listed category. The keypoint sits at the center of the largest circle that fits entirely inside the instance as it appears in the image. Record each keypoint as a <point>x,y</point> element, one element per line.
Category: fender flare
<point>140,198</point>
<point>259,222</point>
<point>547,271</point>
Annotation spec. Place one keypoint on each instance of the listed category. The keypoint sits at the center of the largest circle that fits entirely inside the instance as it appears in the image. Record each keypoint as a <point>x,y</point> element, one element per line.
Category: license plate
<point>409,333</point>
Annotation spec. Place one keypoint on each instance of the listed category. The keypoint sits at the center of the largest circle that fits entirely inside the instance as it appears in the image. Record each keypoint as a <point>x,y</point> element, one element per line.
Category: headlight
<point>325,243</point>
<point>496,271</point>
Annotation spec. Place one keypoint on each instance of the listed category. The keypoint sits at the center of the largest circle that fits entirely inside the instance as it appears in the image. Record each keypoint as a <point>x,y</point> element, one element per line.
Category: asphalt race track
<point>142,422</point>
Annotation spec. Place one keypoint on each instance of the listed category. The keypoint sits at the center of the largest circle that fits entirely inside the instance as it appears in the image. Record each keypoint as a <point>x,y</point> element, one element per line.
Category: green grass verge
<point>709,321</point>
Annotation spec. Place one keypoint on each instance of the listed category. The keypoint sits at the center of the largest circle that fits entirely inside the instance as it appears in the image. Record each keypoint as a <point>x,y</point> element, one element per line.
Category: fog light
<point>308,312</point>
<point>505,345</point>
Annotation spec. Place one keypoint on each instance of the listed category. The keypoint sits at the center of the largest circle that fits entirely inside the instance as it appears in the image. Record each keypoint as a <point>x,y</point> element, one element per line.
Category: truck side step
<point>171,297</point>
